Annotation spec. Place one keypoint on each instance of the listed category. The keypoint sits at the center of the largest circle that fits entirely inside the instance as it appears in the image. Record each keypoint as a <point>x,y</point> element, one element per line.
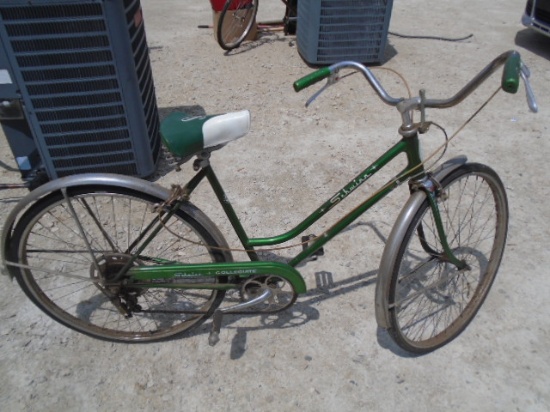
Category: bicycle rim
<point>66,261</point>
<point>431,301</point>
<point>236,21</point>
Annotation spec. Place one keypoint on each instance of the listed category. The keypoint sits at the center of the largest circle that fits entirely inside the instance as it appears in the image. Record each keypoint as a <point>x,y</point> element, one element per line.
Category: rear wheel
<point>70,247</point>
<point>431,301</point>
<point>236,21</point>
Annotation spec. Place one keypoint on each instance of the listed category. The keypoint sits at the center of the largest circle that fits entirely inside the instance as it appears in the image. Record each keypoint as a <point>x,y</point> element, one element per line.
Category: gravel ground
<point>325,353</point>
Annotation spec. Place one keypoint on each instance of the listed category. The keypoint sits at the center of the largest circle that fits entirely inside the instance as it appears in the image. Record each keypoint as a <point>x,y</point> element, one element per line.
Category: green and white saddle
<point>186,136</point>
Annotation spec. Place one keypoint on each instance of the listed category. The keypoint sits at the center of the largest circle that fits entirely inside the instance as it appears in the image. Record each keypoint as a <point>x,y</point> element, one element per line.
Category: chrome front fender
<point>394,240</point>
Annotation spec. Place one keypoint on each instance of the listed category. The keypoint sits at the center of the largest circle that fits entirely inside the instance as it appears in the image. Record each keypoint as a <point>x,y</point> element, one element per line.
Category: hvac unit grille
<point>84,73</point>
<point>334,30</point>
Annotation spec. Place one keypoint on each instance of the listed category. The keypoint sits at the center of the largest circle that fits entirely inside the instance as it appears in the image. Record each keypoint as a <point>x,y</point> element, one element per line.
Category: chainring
<point>283,294</point>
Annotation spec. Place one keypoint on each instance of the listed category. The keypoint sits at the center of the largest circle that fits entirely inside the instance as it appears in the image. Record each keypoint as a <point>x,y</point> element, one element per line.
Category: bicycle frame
<point>122,281</point>
<point>409,146</point>
<point>188,275</point>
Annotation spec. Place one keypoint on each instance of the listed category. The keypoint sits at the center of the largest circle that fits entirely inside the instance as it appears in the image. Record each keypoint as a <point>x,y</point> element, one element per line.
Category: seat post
<point>202,161</point>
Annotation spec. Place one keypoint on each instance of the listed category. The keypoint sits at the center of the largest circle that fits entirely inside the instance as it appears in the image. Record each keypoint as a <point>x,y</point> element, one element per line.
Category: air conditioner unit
<point>76,87</point>
<point>330,31</point>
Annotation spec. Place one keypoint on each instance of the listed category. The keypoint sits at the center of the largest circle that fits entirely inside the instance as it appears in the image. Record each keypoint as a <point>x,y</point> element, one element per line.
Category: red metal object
<point>217,5</point>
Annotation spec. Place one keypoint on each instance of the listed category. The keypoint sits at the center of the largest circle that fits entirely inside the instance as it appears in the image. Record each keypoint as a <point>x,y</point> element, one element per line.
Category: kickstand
<point>214,336</point>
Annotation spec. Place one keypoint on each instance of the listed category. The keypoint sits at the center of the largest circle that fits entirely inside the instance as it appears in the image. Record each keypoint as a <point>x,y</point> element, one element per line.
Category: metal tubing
<point>443,236</point>
<point>414,103</point>
<point>230,212</point>
<point>471,86</point>
<point>373,81</point>
<point>400,147</point>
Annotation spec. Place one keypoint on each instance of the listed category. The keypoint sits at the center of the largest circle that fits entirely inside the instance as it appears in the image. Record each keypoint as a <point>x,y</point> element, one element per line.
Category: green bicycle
<point>122,259</point>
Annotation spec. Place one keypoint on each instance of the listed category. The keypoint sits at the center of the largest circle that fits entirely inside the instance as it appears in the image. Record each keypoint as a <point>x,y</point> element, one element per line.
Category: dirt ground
<point>325,353</point>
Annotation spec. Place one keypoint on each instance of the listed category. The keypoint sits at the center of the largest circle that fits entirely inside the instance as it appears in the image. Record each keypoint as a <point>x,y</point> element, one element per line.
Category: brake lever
<point>333,78</point>
<point>531,101</point>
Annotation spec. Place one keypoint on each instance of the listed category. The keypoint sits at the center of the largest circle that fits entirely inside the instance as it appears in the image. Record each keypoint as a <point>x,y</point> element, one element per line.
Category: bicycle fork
<point>435,192</point>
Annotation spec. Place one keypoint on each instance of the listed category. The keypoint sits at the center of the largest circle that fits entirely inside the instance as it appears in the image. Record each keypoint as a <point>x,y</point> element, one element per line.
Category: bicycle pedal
<point>307,241</point>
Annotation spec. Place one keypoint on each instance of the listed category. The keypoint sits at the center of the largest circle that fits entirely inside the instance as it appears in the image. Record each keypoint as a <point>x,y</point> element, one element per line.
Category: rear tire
<point>430,301</point>
<point>68,261</point>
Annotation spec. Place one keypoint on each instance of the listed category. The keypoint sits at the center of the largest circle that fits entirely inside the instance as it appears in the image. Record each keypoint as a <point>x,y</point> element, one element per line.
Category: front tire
<point>430,302</point>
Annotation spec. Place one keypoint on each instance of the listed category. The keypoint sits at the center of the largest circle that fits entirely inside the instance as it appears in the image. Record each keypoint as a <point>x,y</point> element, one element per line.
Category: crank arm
<point>218,314</point>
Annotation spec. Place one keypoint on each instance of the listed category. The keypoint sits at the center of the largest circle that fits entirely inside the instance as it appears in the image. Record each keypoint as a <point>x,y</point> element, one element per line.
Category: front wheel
<point>67,247</point>
<point>430,301</point>
<point>236,21</point>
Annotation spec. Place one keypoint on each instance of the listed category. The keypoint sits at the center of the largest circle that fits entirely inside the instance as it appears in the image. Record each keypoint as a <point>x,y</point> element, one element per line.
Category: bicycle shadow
<point>304,311</point>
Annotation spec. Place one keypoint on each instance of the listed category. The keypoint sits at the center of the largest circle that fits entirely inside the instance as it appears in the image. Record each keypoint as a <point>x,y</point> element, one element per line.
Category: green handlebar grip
<point>311,78</point>
<point>510,74</point>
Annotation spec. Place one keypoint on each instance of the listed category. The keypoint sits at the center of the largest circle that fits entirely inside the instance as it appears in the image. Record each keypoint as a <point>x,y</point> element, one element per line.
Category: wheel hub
<point>108,266</point>
<point>104,275</point>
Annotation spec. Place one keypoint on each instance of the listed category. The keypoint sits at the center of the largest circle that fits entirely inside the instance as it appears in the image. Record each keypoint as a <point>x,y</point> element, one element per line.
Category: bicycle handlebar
<point>327,72</point>
<point>513,70</point>
<point>312,78</point>
<point>510,74</point>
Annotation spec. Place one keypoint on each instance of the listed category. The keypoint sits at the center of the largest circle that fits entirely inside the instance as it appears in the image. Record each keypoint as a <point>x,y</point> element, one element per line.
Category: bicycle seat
<point>185,135</point>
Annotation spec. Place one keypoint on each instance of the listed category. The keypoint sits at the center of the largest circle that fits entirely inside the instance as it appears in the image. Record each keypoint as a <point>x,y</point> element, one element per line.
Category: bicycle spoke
<point>433,300</point>
<point>106,236</point>
<point>71,248</point>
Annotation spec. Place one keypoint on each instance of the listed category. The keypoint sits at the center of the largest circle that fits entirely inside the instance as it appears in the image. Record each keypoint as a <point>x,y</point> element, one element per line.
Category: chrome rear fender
<point>106,180</point>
